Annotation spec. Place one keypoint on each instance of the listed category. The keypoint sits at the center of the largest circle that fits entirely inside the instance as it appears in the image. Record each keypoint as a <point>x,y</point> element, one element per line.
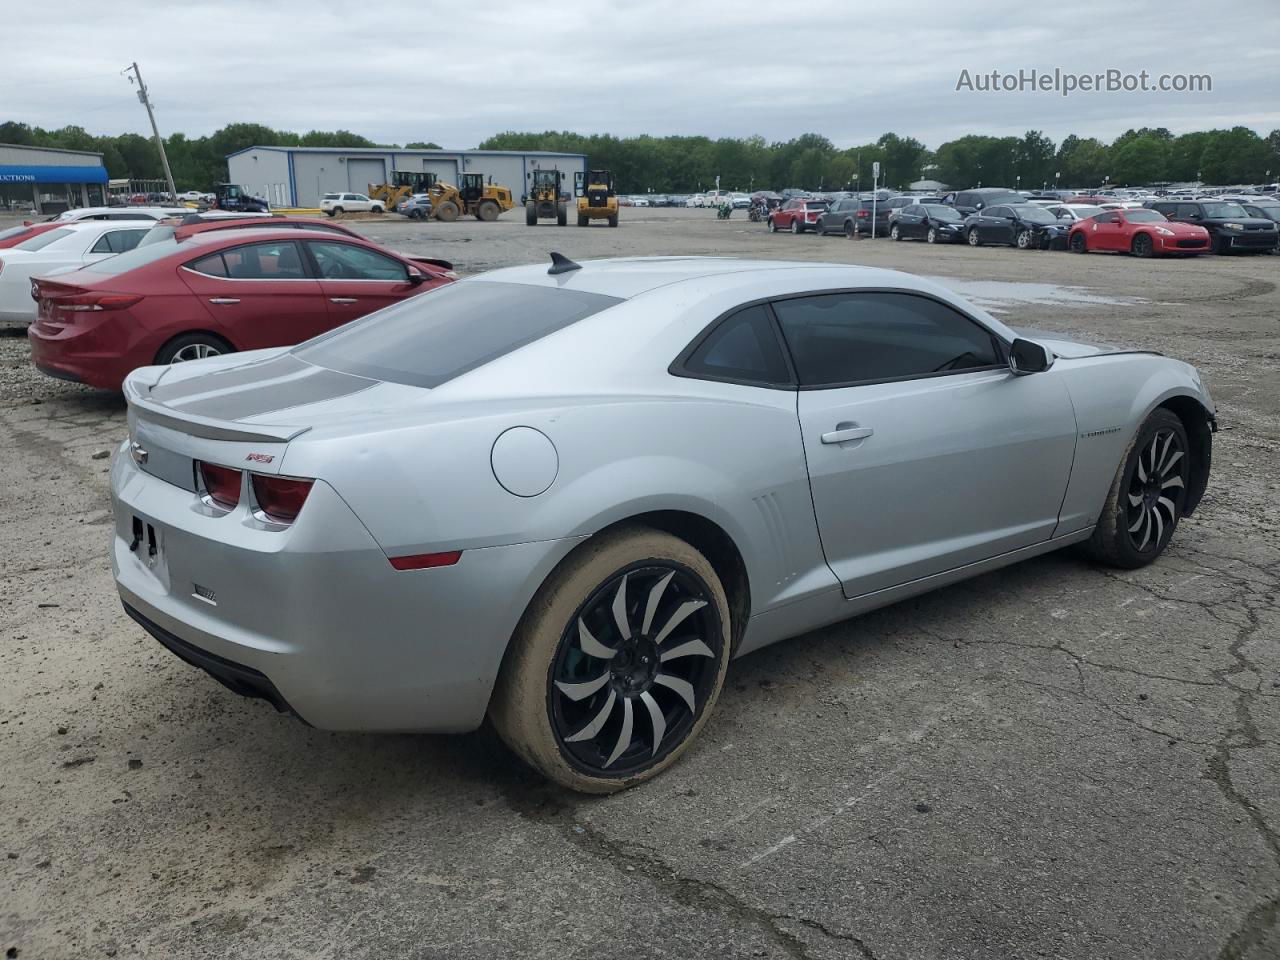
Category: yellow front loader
<point>596,197</point>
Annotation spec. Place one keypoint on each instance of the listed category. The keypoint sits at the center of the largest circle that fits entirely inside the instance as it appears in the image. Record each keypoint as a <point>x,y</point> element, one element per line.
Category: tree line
<point>678,164</point>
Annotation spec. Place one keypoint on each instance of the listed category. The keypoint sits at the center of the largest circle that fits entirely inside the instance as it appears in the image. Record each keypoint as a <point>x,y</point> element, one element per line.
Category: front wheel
<point>931,236</point>
<point>1142,245</point>
<point>487,211</point>
<point>1023,240</point>
<point>562,215</point>
<point>617,663</point>
<point>795,227</point>
<point>1147,495</point>
<point>613,220</point>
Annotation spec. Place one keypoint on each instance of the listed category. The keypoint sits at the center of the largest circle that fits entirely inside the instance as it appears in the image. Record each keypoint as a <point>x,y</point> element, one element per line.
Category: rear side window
<point>846,338</point>
<point>118,241</point>
<point>743,347</point>
<point>273,260</point>
<point>431,338</point>
<point>42,240</point>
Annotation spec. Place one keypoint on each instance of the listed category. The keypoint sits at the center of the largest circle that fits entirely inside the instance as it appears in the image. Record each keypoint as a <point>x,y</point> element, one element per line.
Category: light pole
<point>155,131</point>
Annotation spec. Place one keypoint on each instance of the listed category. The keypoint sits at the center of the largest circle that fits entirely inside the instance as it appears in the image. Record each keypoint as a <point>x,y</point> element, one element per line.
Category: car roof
<point>628,277</point>
<point>242,234</point>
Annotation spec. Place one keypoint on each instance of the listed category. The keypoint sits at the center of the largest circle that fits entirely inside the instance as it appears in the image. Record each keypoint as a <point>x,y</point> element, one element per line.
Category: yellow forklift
<point>596,197</point>
<point>544,199</point>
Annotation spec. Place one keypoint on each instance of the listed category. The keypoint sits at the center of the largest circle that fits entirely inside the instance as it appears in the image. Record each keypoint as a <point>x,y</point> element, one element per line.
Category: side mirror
<point>1027,356</point>
<point>417,278</point>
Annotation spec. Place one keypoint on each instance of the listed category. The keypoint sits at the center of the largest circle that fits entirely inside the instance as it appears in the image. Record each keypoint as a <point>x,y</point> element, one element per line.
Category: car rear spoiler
<point>140,405</point>
<point>444,264</point>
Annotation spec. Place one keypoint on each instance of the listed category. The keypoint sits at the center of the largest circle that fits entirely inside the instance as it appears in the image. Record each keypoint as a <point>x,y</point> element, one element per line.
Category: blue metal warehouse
<point>49,180</point>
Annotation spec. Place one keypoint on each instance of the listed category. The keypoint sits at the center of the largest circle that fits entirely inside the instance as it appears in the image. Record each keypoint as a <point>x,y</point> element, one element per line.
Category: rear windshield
<point>815,204</point>
<point>331,196</point>
<point>139,256</point>
<point>431,338</point>
<point>42,240</point>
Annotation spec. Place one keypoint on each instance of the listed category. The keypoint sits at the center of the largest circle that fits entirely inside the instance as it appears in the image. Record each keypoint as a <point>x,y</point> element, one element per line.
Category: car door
<point>925,453</point>
<point>1106,232</point>
<point>356,280</point>
<point>912,221</point>
<point>260,294</point>
<point>998,225</point>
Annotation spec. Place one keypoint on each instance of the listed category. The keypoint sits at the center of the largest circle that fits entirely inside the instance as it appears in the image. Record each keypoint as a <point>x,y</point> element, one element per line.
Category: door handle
<point>342,300</point>
<point>222,301</point>
<point>847,433</point>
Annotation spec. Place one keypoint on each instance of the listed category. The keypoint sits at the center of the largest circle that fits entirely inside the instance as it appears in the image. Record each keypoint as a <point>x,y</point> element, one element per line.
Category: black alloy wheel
<point>1157,487</point>
<point>634,668</point>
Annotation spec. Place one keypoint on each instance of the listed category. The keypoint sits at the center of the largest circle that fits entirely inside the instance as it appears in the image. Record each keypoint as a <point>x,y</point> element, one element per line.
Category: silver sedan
<point>565,498</point>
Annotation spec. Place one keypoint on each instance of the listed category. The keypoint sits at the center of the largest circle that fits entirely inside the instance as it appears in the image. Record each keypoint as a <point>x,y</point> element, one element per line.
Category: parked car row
<point>998,216</point>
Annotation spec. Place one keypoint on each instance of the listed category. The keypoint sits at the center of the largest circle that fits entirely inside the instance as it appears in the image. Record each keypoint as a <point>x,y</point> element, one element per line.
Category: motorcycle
<point>723,211</point>
<point>758,213</point>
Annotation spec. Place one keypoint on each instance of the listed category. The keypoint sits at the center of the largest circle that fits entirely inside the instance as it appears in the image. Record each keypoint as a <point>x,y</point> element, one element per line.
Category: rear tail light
<point>221,485</point>
<point>93,301</point>
<point>279,499</point>
<point>864,213</point>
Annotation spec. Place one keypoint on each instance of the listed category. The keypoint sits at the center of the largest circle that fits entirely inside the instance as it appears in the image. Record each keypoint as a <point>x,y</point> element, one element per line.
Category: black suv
<point>971,201</point>
<point>1230,226</point>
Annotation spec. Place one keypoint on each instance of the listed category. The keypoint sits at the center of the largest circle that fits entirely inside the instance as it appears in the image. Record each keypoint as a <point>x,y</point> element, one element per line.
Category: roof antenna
<point>562,264</point>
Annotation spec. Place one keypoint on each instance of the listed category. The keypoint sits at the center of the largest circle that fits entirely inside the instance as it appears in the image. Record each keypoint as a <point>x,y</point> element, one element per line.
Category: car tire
<point>1022,240</point>
<point>895,233</point>
<point>850,230</point>
<point>796,228</point>
<point>973,239</point>
<point>1222,246</point>
<point>931,236</point>
<point>377,208</point>
<point>192,346</point>
<point>1078,243</point>
<point>1157,459</point>
<point>773,225</point>
<point>335,211</point>
<point>1142,245</point>
<point>579,737</point>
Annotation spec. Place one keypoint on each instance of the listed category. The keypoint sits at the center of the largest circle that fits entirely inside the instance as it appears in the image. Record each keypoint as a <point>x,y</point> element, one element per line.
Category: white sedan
<point>71,246</point>
<point>121,213</point>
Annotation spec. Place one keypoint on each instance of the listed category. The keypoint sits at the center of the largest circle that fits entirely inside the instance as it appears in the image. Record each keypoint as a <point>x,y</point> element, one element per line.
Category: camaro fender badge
<point>260,457</point>
<point>1100,433</point>
<point>138,453</point>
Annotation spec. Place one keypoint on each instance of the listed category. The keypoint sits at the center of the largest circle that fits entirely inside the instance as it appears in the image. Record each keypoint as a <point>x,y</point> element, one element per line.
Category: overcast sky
<point>457,72</point>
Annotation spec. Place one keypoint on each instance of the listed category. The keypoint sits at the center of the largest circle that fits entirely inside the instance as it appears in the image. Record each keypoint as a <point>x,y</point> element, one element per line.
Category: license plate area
<point>147,542</point>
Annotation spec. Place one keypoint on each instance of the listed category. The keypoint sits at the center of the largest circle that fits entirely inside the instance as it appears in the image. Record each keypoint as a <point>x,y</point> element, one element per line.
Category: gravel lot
<point>1055,760</point>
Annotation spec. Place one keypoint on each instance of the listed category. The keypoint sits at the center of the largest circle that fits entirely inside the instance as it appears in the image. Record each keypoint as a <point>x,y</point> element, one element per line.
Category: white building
<point>300,176</point>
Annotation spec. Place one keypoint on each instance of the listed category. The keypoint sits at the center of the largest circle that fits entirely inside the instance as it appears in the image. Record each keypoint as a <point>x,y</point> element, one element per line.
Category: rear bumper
<point>82,355</point>
<point>314,618</point>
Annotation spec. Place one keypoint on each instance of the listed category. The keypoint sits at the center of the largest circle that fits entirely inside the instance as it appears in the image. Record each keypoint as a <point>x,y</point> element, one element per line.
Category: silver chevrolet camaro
<point>564,498</point>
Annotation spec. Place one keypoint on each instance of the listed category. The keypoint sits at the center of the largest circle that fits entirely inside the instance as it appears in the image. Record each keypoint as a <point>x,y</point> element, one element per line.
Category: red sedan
<point>15,235</point>
<point>797,216</point>
<point>210,293</point>
<point>1144,233</point>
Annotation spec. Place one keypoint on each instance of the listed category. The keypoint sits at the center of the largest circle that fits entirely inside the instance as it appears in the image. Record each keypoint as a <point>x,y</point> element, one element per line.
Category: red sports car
<point>797,215</point>
<point>15,235</point>
<point>1144,233</point>
<point>213,292</point>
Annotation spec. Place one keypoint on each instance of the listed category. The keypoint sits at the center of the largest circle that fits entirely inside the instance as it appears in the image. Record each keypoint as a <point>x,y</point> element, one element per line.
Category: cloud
<point>404,71</point>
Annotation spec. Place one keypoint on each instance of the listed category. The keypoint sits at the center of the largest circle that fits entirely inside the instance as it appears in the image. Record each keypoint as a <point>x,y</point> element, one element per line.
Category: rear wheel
<point>531,214</point>
<point>1146,496</point>
<point>895,233</point>
<point>447,211</point>
<point>850,230</point>
<point>488,211</point>
<point>1142,245</point>
<point>335,211</point>
<point>562,215</point>
<point>617,663</point>
<point>974,240</point>
<point>1078,243</point>
<point>582,220</point>
<point>613,220</point>
<point>192,346</point>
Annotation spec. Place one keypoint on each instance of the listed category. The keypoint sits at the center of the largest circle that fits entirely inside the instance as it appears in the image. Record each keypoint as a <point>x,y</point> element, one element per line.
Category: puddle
<point>993,295</point>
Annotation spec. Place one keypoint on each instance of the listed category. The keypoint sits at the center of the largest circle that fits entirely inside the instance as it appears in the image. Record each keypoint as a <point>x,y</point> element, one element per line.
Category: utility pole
<point>155,131</point>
